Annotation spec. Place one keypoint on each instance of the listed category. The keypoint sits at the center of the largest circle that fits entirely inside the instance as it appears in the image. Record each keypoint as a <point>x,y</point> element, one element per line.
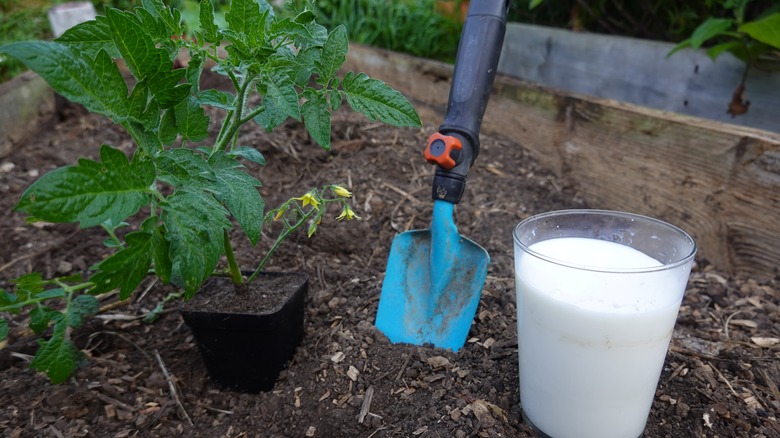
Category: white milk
<point>592,344</point>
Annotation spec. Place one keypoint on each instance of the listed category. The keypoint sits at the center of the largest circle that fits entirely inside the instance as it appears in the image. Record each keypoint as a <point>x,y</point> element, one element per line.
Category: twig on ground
<point>403,367</point>
<point>220,411</point>
<point>366,406</point>
<point>724,380</point>
<point>728,321</point>
<point>377,431</point>
<point>406,195</point>
<point>56,431</point>
<point>146,291</point>
<point>120,336</point>
<point>22,356</point>
<point>112,401</point>
<point>172,388</point>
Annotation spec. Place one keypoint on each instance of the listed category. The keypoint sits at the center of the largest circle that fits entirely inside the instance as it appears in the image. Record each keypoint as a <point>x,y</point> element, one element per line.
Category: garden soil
<point>720,378</point>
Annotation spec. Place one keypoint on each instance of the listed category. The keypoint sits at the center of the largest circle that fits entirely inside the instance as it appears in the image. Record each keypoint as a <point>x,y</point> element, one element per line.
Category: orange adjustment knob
<point>439,148</point>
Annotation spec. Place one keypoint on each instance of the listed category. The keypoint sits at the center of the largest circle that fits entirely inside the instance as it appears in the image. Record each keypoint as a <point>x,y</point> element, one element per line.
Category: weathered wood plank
<point>720,182</point>
<point>640,72</point>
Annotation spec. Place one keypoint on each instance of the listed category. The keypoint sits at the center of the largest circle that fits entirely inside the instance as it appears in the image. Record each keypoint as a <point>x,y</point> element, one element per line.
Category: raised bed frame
<point>720,182</point>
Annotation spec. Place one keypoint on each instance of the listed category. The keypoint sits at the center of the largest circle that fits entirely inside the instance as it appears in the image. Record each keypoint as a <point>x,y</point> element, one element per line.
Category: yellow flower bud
<point>341,191</point>
<point>281,212</point>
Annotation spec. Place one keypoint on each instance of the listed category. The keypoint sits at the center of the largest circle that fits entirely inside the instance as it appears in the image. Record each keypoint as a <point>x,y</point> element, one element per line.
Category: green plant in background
<point>751,31</point>
<point>280,68</point>
<point>660,20</point>
<point>20,21</point>
<point>748,40</point>
<point>406,26</point>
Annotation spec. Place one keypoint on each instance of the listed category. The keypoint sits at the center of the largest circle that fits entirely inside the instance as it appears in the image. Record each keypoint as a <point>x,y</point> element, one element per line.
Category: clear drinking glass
<point>597,298</point>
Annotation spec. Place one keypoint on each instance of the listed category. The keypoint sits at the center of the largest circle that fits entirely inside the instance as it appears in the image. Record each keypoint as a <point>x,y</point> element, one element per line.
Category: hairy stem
<point>288,229</point>
<point>235,272</point>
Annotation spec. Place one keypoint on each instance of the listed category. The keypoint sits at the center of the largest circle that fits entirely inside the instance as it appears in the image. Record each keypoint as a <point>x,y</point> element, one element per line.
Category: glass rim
<point>683,260</point>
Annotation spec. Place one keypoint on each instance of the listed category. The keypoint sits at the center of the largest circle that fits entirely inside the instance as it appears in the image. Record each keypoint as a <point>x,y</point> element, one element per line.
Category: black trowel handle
<point>455,147</point>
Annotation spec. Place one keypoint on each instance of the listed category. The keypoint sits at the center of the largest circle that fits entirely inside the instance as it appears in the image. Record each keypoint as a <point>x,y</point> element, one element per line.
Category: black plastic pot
<point>245,352</point>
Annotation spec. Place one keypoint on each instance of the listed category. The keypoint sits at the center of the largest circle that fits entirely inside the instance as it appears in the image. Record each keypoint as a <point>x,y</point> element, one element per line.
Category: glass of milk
<point>597,298</point>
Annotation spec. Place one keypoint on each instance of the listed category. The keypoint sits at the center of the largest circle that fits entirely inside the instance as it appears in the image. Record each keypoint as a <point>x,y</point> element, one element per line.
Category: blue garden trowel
<point>434,277</point>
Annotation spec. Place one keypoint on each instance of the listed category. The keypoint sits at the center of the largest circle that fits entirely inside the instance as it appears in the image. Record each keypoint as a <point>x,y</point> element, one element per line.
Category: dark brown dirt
<point>720,379</point>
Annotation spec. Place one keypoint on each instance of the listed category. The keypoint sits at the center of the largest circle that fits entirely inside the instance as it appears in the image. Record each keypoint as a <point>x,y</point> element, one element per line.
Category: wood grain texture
<point>641,72</point>
<point>720,182</point>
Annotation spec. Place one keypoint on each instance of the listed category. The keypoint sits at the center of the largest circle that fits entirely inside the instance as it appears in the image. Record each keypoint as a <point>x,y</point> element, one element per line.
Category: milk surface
<point>592,343</point>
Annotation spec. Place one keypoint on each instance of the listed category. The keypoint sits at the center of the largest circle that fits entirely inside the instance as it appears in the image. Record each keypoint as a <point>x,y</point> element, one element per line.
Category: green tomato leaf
<point>149,64</point>
<point>281,90</point>
<point>378,101</point>
<point>90,37</point>
<point>182,167</point>
<point>7,299</point>
<point>95,83</point>
<point>316,117</point>
<point>305,17</point>
<point>249,154</point>
<point>28,285</point>
<point>218,99</point>
<point>40,317</point>
<point>147,137</point>
<point>287,28</point>
<point>192,123</point>
<point>160,249</point>
<point>80,308</point>
<point>209,29</point>
<point>113,241</point>
<point>271,116</point>
<point>91,192</point>
<point>29,289</point>
<point>709,29</point>
<point>302,65</point>
<point>238,191</point>
<point>334,54</point>
<point>143,110</point>
<point>125,269</point>
<point>335,98</point>
<point>247,21</point>
<point>168,131</point>
<point>134,44</point>
<point>194,71</point>
<point>194,224</point>
<point>160,31</point>
<point>766,30</point>
<point>319,35</point>
<point>58,357</point>
<point>169,18</point>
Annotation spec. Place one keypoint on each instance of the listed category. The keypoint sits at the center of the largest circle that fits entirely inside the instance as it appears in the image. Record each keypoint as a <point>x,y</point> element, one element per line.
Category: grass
<point>21,20</point>
<point>407,26</point>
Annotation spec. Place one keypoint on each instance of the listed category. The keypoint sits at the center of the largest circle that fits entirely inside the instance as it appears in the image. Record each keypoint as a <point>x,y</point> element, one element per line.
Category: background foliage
<point>409,26</point>
<point>416,27</point>
<point>661,20</point>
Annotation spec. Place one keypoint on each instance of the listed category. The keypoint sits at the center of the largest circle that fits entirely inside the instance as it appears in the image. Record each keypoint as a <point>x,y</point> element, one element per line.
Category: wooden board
<point>718,181</point>
<point>641,72</point>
